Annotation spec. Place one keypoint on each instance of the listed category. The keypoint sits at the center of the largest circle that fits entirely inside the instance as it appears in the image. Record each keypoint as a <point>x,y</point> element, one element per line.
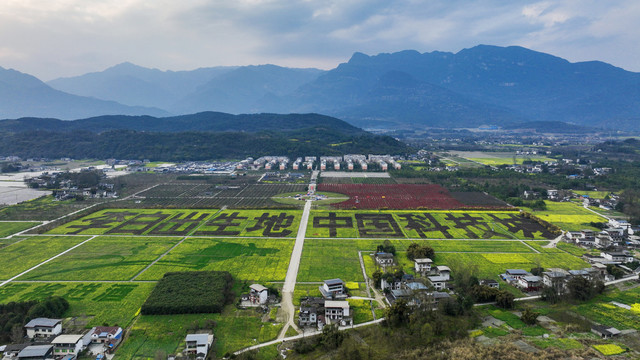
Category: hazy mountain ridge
<point>24,95</point>
<point>476,86</point>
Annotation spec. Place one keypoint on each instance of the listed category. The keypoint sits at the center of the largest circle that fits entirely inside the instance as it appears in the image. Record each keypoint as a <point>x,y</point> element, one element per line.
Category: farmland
<point>10,228</point>
<point>246,259</point>
<point>98,303</point>
<point>425,225</point>
<point>270,223</point>
<point>568,216</point>
<point>500,158</point>
<point>104,258</point>
<point>22,255</point>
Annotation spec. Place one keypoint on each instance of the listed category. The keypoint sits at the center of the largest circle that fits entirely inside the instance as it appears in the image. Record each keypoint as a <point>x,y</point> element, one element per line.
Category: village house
<point>109,336</point>
<point>69,344</point>
<point>438,282</point>
<point>43,327</point>
<point>258,294</point>
<point>36,352</point>
<point>333,289</point>
<point>530,283</point>
<point>384,259</point>
<point>337,312</point>
<point>554,279</point>
<point>311,312</point>
<point>513,275</point>
<point>198,345</point>
<point>423,266</point>
<point>443,271</point>
<point>490,283</point>
<point>617,256</point>
<point>605,332</point>
<point>11,351</point>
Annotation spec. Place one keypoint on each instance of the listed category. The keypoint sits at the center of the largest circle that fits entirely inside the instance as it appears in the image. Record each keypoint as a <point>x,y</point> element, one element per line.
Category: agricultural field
<point>426,225</point>
<point>104,258</point>
<point>568,216</point>
<point>602,310</point>
<point>326,259</point>
<point>152,222</point>
<point>152,335</point>
<point>499,158</point>
<point>393,196</point>
<point>22,255</point>
<point>234,194</point>
<point>267,223</point>
<point>257,260</point>
<point>10,228</point>
<point>94,303</point>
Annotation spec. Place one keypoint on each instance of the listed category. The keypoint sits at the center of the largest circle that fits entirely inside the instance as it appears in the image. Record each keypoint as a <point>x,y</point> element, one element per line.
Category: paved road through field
<point>292,273</point>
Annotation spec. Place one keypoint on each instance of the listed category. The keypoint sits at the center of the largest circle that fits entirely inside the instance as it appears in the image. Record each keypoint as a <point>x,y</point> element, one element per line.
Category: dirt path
<point>292,273</point>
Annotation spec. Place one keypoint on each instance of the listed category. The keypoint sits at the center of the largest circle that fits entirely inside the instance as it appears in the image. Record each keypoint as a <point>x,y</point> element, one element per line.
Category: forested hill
<point>202,136</point>
<point>204,121</point>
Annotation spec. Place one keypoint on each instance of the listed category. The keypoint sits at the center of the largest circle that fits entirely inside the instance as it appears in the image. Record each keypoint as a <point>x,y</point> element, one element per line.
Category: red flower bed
<point>393,196</point>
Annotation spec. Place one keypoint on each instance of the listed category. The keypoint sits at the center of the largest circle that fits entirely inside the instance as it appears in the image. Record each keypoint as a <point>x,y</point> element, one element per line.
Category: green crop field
<point>417,224</point>
<point>245,259</point>
<point>152,335</point>
<point>338,258</point>
<point>268,223</point>
<point>568,216</point>
<point>104,258</point>
<point>22,255</point>
<point>499,158</point>
<point>601,309</point>
<point>490,265</point>
<point>136,222</point>
<point>10,228</point>
<point>110,303</point>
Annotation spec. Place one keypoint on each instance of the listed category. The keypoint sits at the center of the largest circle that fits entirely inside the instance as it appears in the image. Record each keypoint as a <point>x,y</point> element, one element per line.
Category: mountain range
<point>483,85</point>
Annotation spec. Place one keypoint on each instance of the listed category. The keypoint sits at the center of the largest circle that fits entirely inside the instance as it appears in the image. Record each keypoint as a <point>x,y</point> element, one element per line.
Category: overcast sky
<point>54,38</point>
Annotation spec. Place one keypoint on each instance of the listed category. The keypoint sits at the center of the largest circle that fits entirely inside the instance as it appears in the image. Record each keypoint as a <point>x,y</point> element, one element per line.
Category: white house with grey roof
<point>43,327</point>
<point>68,344</point>
<point>36,352</point>
<point>198,345</point>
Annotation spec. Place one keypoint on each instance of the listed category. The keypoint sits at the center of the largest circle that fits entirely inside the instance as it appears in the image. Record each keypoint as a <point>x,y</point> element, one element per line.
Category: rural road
<point>292,273</point>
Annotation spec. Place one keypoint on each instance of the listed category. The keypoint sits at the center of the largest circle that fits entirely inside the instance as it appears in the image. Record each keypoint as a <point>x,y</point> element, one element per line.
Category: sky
<point>59,38</point>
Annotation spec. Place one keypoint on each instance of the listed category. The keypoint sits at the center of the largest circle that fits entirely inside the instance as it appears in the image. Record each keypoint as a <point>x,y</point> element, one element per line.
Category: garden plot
<point>103,303</point>
<point>246,259</point>
<point>23,255</point>
<point>136,222</point>
<point>424,224</point>
<point>104,258</point>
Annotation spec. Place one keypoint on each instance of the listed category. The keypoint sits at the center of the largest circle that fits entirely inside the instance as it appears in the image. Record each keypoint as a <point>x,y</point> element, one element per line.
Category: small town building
<point>605,332</point>
<point>490,283</point>
<point>384,259</point>
<point>438,282</point>
<point>333,289</point>
<point>423,266</point>
<point>43,327</point>
<point>36,352</point>
<point>337,312</point>
<point>68,344</point>
<point>443,271</point>
<point>198,345</point>
<point>530,283</point>
<point>258,294</point>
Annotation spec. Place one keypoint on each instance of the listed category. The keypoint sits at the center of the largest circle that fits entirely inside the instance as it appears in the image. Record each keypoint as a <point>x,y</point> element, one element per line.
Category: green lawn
<point>246,259</point>
<point>10,228</point>
<point>104,258</point>
<point>110,303</point>
<point>152,335</point>
<point>568,216</point>
<point>21,256</point>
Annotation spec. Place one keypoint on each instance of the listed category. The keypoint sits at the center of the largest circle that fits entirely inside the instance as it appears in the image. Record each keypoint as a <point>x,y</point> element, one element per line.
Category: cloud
<point>70,37</point>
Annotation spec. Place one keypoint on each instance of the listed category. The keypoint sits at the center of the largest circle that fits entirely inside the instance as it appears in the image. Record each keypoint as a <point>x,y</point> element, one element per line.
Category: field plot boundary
<point>46,261</point>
